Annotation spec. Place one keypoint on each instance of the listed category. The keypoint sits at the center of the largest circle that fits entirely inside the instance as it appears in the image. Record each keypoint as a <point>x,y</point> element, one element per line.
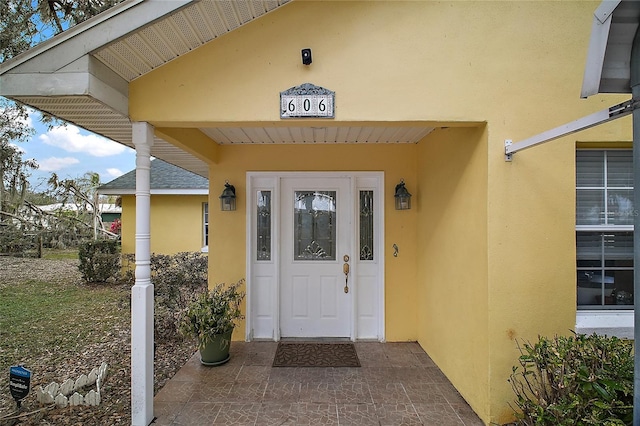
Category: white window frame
<point>205,228</point>
<point>610,322</point>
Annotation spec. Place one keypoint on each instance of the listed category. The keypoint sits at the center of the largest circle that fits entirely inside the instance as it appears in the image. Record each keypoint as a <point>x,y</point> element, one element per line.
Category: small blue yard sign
<point>19,382</point>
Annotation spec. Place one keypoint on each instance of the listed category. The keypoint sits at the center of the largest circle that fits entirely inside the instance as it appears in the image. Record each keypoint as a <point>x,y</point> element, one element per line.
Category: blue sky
<point>70,152</point>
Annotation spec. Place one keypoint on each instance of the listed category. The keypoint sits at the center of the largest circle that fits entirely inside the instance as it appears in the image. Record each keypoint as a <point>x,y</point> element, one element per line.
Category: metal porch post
<point>142,291</point>
<point>635,94</point>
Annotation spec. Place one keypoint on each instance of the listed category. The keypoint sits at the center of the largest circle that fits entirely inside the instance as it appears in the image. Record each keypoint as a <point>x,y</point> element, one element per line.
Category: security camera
<point>306,56</point>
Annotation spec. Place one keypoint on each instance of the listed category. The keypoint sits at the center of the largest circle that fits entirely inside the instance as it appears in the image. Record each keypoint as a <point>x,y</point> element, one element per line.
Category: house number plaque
<point>307,101</point>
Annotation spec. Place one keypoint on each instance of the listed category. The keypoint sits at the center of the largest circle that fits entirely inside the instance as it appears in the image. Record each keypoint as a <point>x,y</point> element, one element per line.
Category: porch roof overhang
<point>608,65</point>
<point>82,75</point>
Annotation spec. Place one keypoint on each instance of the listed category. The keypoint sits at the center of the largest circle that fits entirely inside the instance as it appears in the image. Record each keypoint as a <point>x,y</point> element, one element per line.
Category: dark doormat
<point>297,354</point>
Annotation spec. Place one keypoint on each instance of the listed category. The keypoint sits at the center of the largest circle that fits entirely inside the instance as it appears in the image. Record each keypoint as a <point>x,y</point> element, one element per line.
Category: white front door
<point>316,234</point>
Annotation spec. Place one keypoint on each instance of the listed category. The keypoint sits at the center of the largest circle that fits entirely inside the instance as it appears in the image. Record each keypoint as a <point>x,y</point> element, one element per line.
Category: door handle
<point>345,269</point>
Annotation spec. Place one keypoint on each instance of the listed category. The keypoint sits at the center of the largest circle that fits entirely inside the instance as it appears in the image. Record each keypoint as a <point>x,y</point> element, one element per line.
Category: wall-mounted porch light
<point>402,196</point>
<point>228,198</point>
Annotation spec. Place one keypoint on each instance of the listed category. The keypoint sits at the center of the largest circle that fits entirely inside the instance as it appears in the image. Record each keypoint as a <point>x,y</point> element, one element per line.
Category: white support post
<point>142,291</point>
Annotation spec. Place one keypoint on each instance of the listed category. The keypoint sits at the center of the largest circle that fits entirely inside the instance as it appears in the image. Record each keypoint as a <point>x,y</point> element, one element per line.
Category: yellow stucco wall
<point>176,223</point>
<point>452,258</point>
<point>491,245</point>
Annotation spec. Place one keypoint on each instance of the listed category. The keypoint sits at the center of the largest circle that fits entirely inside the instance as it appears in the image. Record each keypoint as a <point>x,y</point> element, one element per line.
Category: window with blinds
<point>604,229</point>
<point>205,223</point>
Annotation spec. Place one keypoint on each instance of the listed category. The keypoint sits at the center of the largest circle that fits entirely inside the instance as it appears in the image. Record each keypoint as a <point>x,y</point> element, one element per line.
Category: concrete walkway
<point>398,384</point>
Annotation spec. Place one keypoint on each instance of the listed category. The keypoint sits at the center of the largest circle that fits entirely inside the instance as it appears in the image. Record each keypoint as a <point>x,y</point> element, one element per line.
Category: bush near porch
<point>177,279</point>
<point>576,380</point>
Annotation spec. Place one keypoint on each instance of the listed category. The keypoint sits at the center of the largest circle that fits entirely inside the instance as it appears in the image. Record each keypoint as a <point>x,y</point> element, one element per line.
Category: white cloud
<point>53,164</point>
<point>70,139</point>
<point>113,173</point>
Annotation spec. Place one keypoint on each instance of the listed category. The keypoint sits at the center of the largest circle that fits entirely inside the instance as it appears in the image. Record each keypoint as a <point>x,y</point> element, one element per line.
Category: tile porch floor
<point>398,384</point>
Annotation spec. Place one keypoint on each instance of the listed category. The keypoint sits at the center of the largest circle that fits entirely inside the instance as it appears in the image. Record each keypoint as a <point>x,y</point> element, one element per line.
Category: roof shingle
<point>166,177</point>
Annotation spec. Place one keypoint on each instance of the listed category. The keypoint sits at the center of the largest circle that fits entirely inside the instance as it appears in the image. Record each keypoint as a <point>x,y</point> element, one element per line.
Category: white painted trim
<point>597,46</point>
<point>610,323</point>
<point>95,33</point>
<point>248,234</point>
<point>605,10</point>
<point>604,228</point>
<point>81,83</point>
<point>275,200</point>
<point>353,265</point>
<point>381,205</point>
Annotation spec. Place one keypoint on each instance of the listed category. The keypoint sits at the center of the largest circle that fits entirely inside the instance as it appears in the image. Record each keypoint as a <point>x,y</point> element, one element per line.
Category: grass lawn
<point>39,318</point>
<point>59,328</point>
<point>59,254</point>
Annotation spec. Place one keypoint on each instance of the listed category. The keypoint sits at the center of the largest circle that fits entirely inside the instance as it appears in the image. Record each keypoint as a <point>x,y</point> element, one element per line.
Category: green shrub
<point>177,279</point>
<point>17,242</point>
<point>99,260</point>
<point>128,270</point>
<point>576,380</point>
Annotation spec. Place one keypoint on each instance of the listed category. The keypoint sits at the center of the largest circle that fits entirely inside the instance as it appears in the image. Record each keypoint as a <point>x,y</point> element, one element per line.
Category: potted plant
<point>210,318</point>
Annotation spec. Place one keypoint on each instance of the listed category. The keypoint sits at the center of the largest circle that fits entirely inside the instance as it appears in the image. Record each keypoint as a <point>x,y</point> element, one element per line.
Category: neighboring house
<point>490,252</point>
<point>179,209</point>
<point>108,212</point>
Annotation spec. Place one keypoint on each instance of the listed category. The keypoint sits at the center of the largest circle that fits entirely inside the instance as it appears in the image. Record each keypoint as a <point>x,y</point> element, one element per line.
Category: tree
<point>23,24</point>
<point>82,193</point>
<point>14,170</point>
<point>41,198</point>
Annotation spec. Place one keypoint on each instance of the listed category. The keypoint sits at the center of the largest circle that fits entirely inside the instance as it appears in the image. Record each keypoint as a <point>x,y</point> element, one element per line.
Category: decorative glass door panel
<point>314,225</point>
<point>366,225</point>
<point>315,236</point>
<point>263,225</point>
